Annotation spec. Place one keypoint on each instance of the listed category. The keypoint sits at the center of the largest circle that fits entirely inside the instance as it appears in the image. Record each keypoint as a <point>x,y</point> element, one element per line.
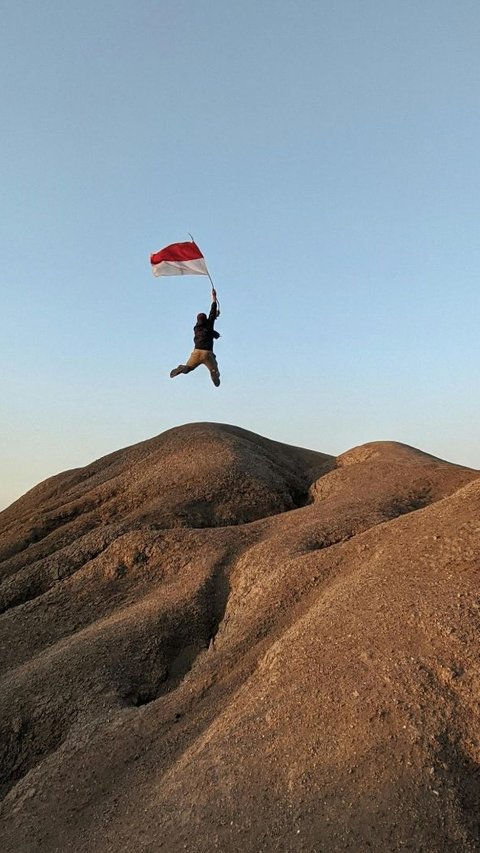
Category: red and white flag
<point>179,259</point>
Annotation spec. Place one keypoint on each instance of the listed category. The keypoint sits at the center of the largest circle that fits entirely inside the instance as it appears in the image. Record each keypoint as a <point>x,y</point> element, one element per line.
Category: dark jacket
<point>203,331</point>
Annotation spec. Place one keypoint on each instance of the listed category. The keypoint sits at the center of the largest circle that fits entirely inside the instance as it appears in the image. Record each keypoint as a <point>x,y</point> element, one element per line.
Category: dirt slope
<point>215,641</point>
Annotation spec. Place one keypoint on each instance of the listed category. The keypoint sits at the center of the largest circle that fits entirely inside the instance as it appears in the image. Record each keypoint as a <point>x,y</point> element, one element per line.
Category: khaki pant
<point>200,356</point>
<point>203,356</point>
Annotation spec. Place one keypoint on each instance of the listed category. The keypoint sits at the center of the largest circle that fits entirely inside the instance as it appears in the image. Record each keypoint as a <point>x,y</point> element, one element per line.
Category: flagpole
<point>210,277</point>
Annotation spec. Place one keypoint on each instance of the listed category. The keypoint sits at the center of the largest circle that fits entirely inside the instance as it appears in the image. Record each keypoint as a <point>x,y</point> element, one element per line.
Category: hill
<point>215,641</point>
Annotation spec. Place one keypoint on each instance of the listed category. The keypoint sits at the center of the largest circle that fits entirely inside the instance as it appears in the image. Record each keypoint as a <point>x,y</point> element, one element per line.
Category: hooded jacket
<point>203,331</point>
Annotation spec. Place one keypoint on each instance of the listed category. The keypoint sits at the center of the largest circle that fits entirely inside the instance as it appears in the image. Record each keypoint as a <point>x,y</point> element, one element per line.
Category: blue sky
<point>325,158</point>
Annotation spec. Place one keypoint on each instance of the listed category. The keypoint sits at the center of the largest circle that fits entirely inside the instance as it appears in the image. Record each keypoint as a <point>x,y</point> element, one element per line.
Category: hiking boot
<point>176,371</point>
<point>215,376</point>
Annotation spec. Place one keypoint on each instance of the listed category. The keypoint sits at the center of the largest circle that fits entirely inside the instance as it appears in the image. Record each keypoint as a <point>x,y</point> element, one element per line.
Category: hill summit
<point>214,641</point>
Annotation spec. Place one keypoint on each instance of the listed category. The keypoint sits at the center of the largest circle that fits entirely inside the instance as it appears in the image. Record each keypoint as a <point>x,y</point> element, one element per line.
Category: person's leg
<point>193,362</point>
<point>211,362</point>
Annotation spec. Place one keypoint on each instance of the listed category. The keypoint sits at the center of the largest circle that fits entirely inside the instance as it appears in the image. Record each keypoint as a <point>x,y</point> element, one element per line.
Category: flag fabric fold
<point>179,259</point>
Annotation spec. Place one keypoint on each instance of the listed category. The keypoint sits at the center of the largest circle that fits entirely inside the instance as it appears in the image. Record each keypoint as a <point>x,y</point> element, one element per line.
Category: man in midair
<point>203,336</point>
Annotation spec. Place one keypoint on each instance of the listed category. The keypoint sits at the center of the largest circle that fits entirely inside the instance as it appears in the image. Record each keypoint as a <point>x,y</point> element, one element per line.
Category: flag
<point>179,259</point>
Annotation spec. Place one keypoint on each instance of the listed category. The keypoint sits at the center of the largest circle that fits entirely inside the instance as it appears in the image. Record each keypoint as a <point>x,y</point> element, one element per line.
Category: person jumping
<point>203,337</point>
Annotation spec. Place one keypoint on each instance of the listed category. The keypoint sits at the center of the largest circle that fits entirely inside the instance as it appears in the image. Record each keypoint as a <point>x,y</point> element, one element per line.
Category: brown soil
<point>213,641</point>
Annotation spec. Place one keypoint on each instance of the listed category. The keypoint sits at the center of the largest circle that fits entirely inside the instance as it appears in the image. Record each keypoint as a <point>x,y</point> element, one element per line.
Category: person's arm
<point>213,310</point>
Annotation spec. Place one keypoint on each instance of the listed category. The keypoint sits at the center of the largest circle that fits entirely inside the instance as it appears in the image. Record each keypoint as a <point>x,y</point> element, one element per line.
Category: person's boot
<point>176,371</point>
<point>215,376</point>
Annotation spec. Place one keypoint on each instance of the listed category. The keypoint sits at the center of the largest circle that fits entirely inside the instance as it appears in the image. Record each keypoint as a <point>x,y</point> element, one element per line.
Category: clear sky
<point>325,156</point>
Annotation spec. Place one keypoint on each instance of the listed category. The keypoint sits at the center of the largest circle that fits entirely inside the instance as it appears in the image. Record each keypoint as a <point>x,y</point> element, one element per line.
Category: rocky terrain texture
<point>213,641</point>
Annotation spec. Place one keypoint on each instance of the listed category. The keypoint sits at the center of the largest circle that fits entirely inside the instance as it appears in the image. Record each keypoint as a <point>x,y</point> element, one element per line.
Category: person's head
<point>201,318</point>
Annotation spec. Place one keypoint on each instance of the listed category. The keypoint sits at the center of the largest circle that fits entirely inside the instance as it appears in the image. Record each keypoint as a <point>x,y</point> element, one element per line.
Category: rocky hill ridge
<point>215,641</point>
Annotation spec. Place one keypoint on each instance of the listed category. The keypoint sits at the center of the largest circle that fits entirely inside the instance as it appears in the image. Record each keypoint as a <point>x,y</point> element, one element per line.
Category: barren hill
<point>213,641</point>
